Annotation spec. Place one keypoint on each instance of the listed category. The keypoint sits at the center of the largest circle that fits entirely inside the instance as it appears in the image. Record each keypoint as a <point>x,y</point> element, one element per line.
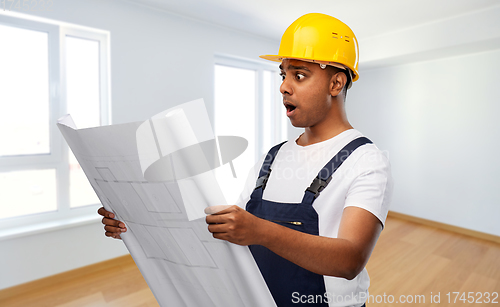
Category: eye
<point>282,75</point>
<point>300,76</point>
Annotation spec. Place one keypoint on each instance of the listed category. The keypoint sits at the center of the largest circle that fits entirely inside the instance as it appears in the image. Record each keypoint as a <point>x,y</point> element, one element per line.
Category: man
<point>313,220</point>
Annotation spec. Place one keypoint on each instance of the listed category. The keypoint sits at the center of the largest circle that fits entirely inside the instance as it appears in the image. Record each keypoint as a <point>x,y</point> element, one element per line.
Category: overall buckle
<point>318,185</point>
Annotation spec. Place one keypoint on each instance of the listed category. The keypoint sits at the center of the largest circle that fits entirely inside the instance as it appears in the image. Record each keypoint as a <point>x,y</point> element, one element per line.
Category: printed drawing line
<point>146,202</point>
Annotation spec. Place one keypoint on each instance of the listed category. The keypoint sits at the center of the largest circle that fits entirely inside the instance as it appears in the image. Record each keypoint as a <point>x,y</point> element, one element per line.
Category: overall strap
<point>325,174</point>
<point>265,170</point>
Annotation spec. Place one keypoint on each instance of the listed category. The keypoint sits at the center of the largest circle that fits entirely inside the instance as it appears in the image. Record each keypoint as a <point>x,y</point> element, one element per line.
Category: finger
<point>113,235</point>
<point>217,209</point>
<point>217,228</point>
<point>111,222</point>
<point>115,229</point>
<point>106,213</point>
<point>216,219</point>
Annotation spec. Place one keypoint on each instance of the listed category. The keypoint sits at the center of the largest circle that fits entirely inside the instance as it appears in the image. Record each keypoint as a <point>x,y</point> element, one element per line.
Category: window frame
<point>58,157</point>
<point>279,121</point>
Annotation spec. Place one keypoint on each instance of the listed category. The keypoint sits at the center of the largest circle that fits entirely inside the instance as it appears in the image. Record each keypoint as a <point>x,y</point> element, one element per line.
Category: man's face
<point>306,93</point>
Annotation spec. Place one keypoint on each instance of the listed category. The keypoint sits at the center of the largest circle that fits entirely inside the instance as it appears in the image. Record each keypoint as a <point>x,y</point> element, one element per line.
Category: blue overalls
<point>283,277</point>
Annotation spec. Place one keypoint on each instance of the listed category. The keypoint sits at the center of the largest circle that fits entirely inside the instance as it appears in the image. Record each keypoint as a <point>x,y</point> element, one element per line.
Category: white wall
<point>438,120</point>
<point>158,60</point>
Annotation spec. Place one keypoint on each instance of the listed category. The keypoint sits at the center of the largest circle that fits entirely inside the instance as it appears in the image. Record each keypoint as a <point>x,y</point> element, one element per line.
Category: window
<point>49,69</point>
<point>247,104</point>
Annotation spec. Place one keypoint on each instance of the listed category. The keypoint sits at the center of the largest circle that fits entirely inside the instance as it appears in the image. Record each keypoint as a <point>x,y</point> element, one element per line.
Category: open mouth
<point>289,107</point>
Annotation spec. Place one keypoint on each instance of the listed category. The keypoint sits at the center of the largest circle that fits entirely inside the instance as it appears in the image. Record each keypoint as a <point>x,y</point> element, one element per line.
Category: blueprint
<point>167,235</point>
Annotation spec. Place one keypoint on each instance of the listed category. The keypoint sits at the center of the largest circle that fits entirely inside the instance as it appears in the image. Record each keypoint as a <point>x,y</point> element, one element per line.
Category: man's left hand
<point>233,224</point>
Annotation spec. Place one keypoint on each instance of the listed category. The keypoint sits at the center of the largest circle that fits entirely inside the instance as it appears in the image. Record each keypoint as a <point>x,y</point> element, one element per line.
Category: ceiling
<point>390,32</point>
<point>367,18</point>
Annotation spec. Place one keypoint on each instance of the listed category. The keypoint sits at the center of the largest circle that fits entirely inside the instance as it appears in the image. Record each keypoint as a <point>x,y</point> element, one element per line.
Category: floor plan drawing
<point>179,259</point>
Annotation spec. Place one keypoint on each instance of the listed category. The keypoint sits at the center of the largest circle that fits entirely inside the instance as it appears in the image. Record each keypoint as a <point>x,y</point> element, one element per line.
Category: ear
<point>337,83</point>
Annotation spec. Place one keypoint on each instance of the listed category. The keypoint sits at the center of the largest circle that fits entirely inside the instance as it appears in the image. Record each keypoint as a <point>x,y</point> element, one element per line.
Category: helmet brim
<point>279,58</point>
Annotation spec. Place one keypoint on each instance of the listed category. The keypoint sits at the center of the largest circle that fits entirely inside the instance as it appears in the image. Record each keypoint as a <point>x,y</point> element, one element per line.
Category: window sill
<point>38,228</point>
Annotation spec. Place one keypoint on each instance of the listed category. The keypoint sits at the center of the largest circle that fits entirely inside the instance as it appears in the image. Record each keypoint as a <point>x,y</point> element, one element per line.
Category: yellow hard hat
<point>321,39</point>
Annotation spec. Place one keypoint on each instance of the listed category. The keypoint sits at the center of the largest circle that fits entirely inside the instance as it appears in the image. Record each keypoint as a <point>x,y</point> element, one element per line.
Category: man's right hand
<point>113,228</point>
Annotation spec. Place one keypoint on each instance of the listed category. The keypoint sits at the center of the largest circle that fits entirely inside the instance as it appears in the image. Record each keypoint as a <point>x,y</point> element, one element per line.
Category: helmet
<point>321,39</point>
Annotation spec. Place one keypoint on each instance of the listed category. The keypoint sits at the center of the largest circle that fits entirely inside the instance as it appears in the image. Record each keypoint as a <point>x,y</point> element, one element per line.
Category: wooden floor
<point>410,260</point>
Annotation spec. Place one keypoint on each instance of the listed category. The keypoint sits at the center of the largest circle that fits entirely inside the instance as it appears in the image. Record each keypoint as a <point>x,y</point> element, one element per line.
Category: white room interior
<point>427,96</point>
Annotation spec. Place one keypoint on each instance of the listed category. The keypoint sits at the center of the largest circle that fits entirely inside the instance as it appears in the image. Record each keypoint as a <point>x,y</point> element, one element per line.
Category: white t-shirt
<point>363,180</point>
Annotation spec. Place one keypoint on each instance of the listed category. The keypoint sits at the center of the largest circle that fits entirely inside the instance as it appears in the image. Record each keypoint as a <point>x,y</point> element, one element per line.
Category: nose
<point>286,87</point>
